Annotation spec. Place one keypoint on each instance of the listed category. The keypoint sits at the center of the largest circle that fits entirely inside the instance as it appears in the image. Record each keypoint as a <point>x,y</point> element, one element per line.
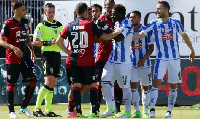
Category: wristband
<point>46,43</point>
<point>105,27</point>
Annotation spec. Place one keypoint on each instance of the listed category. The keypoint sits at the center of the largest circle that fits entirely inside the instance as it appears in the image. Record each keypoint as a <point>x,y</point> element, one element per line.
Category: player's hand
<point>69,54</point>
<point>53,41</point>
<point>18,52</point>
<point>119,31</point>
<point>33,57</point>
<point>141,62</point>
<point>192,55</point>
<point>101,23</point>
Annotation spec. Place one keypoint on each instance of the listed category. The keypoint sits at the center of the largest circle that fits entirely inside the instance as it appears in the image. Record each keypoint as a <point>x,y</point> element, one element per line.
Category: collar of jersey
<point>54,21</point>
<point>107,16</point>
<point>15,20</point>
<point>80,18</point>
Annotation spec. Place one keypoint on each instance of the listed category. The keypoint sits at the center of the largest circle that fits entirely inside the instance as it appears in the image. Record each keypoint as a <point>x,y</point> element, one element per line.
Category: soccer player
<point>141,71</point>
<point>13,37</point>
<point>165,31</point>
<point>119,65</point>
<point>45,36</point>
<point>89,13</point>
<point>80,34</point>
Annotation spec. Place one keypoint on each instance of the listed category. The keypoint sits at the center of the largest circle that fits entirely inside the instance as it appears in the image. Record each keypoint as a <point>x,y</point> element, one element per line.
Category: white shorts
<point>172,66</point>
<point>121,72</point>
<point>143,75</point>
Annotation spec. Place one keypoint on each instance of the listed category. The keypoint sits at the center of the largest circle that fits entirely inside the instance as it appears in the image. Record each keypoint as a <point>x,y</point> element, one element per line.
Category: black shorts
<point>84,75</point>
<point>51,62</point>
<point>99,69</point>
<point>69,76</point>
<point>26,68</point>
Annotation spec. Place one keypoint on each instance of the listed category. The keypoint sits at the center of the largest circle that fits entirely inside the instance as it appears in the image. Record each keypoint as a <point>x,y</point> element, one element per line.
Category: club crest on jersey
<point>136,45</point>
<point>26,26</point>
<point>55,31</point>
<point>167,36</point>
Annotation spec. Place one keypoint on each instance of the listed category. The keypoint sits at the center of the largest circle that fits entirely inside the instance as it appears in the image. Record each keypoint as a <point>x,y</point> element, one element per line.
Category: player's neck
<point>17,17</point>
<point>137,27</point>
<point>51,20</point>
<point>165,19</point>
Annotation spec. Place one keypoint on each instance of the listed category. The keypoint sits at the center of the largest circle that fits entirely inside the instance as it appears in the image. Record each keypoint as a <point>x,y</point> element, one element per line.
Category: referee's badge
<point>55,31</point>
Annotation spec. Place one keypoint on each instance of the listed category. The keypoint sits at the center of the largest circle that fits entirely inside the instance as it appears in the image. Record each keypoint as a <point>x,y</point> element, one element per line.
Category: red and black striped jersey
<point>16,34</point>
<point>81,34</point>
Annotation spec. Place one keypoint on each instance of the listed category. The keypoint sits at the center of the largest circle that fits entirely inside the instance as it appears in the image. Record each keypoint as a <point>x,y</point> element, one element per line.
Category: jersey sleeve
<point>5,31</point>
<point>63,34</point>
<point>148,29</point>
<point>180,27</point>
<point>127,28</point>
<point>97,32</point>
<point>38,31</point>
<point>150,39</point>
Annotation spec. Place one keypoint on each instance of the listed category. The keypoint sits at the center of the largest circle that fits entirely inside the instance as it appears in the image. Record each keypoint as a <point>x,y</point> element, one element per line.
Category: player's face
<point>22,11</point>
<point>108,7</point>
<point>115,15</point>
<point>160,11</point>
<point>134,19</point>
<point>50,13</point>
<point>95,13</point>
<point>90,15</point>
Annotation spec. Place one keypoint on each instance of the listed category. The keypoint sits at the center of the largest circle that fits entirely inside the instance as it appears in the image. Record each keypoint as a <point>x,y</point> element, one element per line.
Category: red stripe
<point>93,88</point>
<point>98,87</point>
<point>71,103</point>
<point>117,87</point>
<point>77,88</point>
<point>32,84</point>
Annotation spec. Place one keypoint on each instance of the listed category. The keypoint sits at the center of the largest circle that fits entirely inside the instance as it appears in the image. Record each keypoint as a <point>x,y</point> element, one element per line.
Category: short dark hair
<point>113,1</point>
<point>97,5</point>
<point>165,4</point>
<point>48,5</point>
<point>89,8</point>
<point>16,4</point>
<point>138,13</point>
<point>120,9</point>
<point>81,7</point>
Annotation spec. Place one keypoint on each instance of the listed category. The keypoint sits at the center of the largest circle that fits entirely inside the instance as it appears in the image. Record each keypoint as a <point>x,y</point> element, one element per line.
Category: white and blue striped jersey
<point>166,37</point>
<point>140,48</point>
<point>121,51</point>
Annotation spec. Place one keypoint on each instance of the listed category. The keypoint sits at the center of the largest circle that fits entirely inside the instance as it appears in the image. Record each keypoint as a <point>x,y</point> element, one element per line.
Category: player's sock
<point>28,93</point>
<point>93,99</point>
<point>145,101</point>
<point>108,93</point>
<point>172,99</point>
<point>99,96</point>
<point>127,99</point>
<point>77,99</point>
<point>48,100</point>
<point>135,99</point>
<point>153,97</point>
<point>41,94</point>
<point>118,98</point>
<point>10,96</point>
<point>71,105</point>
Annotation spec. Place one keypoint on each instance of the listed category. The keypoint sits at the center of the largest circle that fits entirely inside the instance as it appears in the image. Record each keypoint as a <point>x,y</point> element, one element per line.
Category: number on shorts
<point>124,79</point>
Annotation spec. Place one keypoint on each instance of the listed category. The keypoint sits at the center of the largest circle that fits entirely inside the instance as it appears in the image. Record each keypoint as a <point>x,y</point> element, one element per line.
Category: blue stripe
<point>159,55</point>
<point>147,47</point>
<point>140,50</point>
<point>172,41</point>
<point>122,51</point>
<point>115,57</point>
<point>164,42</point>
<point>129,30</point>
<point>177,38</point>
<point>157,62</point>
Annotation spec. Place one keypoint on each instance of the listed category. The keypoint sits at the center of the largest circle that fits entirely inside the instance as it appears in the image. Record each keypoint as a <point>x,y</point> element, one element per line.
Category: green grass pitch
<point>177,113</point>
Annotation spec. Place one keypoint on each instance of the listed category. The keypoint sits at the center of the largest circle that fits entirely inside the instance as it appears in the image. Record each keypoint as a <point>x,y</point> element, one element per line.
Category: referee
<point>44,36</point>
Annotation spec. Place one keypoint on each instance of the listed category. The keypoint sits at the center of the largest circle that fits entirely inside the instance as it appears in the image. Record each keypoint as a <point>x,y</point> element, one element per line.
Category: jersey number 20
<point>83,39</point>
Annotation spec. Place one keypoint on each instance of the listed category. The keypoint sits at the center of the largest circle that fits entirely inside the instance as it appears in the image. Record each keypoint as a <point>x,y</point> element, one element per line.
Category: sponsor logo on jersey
<point>167,36</point>
<point>136,45</point>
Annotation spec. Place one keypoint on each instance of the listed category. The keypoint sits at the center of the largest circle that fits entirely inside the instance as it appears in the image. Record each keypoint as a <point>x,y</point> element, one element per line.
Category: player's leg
<point>29,75</point>
<point>145,81</point>
<point>107,89</point>
<point>77,81</point>
<point>12,77</point>
<point>118,96</point>
<point>159,72</point>
<point>174,77</point>
<point>135,93</point>
<point>99,70</point>
<point>123,79</point>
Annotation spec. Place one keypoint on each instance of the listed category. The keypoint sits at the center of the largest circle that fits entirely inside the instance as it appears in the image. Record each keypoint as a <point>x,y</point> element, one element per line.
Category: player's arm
<point>189,44</point>
<point>30,46</point>
<point>60,43</point>
<point>138,36</point>
<point>146,56</point>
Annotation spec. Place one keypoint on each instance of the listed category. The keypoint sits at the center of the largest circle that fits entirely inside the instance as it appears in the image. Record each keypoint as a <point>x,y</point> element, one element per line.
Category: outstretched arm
<point>138,36</point>
<point>189,44</point>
